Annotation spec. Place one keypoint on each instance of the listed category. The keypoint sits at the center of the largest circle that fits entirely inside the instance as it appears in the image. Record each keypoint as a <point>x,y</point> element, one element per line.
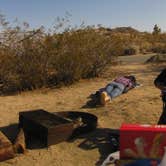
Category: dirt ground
<point>140,105</point>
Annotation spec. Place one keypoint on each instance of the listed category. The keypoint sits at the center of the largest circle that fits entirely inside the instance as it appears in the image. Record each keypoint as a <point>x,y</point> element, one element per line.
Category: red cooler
<point>142,141</point>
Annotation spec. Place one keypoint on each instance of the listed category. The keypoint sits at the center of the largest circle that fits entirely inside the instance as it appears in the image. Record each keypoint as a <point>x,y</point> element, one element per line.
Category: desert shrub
<point>8,75</point>
<point>159,48</point>
<point>145,47</point>
<point>32,66</point>
<point>23,69</point>
<point>82,54</point>
<point>131,50</point>
<point>33,59</point>
<point>117,45</point>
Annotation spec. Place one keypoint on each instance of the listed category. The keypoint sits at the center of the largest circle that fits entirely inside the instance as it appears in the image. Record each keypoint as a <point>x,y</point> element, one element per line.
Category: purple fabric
<point>125,81</point>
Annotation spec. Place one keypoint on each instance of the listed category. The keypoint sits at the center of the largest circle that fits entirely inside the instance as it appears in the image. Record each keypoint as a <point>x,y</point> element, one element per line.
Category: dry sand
<point>141,105</point>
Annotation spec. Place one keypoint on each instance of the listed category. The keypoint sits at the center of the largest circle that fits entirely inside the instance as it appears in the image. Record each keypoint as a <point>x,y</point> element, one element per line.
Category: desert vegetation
<point>31,59</point>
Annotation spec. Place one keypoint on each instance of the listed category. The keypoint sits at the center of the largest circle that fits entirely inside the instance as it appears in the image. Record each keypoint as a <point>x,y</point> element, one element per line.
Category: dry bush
<point>33,59</point>
<point>159,48</point>
<point>82,53</point>
<point>132,50</point>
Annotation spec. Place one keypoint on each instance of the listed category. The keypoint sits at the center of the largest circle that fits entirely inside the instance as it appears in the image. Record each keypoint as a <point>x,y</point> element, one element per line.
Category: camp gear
<point>142,141</point>
<point>52,128</point>
<point>49,128</point>
<point>111,158</point>
<point>89,121</point>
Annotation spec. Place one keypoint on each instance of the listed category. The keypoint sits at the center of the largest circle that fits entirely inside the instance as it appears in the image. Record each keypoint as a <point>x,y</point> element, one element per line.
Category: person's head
<point>132,78</point>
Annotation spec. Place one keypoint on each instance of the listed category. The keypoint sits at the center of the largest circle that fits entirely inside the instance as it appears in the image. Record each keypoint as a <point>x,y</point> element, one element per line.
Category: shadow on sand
<point>104,139</point>
<point>12,130</point>
<point>93,101</point>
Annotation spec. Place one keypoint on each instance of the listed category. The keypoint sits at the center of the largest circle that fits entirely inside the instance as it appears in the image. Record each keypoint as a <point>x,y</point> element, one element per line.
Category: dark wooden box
<point>47,127</point>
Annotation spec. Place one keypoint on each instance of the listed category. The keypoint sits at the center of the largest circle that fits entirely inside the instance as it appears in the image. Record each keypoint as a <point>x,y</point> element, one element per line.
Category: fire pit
<point>52,128</point>
<point>89,121</point>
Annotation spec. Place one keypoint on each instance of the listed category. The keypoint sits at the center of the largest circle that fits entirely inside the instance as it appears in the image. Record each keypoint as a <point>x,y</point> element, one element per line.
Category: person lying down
<point>118,86</point>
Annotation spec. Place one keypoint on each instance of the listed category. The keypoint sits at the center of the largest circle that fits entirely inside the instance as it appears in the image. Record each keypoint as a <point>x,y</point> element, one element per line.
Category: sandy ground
<point>141,105</point>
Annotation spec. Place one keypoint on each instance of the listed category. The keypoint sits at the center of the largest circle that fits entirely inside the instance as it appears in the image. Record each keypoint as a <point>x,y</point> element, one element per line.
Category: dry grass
<point>141,105</point>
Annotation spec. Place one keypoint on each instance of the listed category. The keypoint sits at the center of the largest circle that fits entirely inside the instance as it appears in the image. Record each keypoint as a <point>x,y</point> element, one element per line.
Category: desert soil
<point>140,105</point>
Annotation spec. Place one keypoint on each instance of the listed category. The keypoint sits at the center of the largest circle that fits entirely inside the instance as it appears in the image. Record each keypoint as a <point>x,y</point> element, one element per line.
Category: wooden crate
<point>6,148</point>
<point>49,128</point>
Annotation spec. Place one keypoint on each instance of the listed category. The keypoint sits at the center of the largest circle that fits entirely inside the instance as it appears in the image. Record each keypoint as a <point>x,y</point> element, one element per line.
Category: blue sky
<point>140,14</point>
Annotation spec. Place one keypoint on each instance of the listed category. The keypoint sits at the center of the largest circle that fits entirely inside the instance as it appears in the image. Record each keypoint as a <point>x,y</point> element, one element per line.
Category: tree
<point>156,30</point>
